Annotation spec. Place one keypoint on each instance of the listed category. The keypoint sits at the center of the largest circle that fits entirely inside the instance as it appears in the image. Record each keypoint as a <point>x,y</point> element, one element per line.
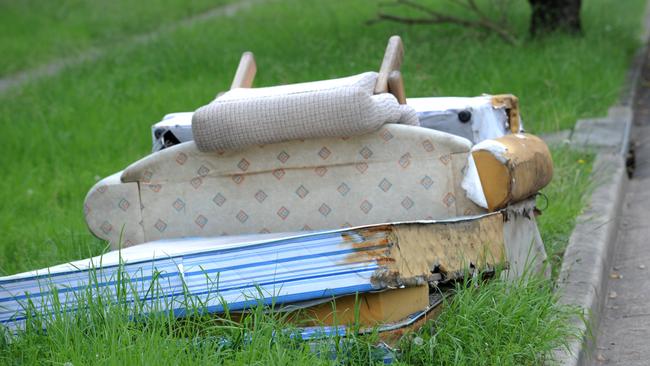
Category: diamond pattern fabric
<point>397,173</point>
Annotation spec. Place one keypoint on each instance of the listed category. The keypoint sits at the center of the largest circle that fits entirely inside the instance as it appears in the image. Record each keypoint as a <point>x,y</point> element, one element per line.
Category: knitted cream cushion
<point>329,108</point>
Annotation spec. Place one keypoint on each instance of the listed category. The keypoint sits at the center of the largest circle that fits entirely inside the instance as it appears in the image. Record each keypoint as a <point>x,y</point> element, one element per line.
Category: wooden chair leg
<point>245,72</point>
<point>396,86</point>
<point>392,61</point>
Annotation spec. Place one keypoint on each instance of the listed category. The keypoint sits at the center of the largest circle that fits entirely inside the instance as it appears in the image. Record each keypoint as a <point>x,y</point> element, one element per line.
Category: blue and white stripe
<point>240,271</point>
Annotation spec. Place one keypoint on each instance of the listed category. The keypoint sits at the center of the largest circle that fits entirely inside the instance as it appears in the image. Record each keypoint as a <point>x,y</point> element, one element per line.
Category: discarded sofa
<point>340,190</point>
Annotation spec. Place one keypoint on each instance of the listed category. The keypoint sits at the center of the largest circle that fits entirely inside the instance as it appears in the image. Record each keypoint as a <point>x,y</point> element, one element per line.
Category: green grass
<point>62,133</point>
<point>563,200</point>
<point>112,331</point>
<point>35,32</point>
<point>486,323</point>
<point>494,323</point>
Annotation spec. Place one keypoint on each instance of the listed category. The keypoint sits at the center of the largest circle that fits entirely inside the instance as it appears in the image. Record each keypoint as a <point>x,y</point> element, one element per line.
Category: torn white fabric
<point>472,184</point>
<point>442,113</point>
<point>490,123</point>
<point>495,147</point>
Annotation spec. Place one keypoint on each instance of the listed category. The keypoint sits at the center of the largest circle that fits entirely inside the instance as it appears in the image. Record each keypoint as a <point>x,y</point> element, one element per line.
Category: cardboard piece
<point>511,104</point>
<point>370,309</point>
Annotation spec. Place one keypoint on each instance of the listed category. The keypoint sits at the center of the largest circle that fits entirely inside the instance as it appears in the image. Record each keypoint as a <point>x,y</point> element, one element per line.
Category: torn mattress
<point>241,271</point>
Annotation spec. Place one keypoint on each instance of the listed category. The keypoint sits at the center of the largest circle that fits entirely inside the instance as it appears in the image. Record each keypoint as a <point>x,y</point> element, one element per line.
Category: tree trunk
<point>555,15</point>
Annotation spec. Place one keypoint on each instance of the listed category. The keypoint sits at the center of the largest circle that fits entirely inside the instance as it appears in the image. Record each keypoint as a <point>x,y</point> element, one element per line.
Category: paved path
<point>624,334</point>
<point>56,66</point>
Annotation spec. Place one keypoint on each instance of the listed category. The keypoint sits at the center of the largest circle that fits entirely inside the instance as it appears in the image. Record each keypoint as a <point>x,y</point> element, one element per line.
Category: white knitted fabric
<point>329,108</point>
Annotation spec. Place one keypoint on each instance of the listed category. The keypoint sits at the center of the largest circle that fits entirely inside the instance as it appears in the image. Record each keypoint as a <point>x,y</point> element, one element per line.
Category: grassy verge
<point>563,200</point>
<point>35,32</point>
<point>486,323</point>
<point>494,323</point>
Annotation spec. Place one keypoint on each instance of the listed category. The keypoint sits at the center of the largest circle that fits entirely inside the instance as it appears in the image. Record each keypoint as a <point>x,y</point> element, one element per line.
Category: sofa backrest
<point>395,174</point>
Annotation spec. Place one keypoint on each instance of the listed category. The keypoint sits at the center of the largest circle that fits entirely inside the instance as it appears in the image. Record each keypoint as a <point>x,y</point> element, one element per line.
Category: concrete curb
<point>583,277</point>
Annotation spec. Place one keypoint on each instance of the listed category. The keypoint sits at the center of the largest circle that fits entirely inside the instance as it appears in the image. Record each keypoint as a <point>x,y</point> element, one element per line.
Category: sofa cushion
<point>330,108</point>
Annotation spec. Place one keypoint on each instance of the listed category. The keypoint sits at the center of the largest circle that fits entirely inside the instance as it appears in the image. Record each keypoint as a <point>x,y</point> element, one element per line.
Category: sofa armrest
<point>112,210</point>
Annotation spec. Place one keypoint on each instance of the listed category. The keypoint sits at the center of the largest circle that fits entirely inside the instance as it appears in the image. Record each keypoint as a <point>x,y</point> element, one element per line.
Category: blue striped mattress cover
<point>239,271</point>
